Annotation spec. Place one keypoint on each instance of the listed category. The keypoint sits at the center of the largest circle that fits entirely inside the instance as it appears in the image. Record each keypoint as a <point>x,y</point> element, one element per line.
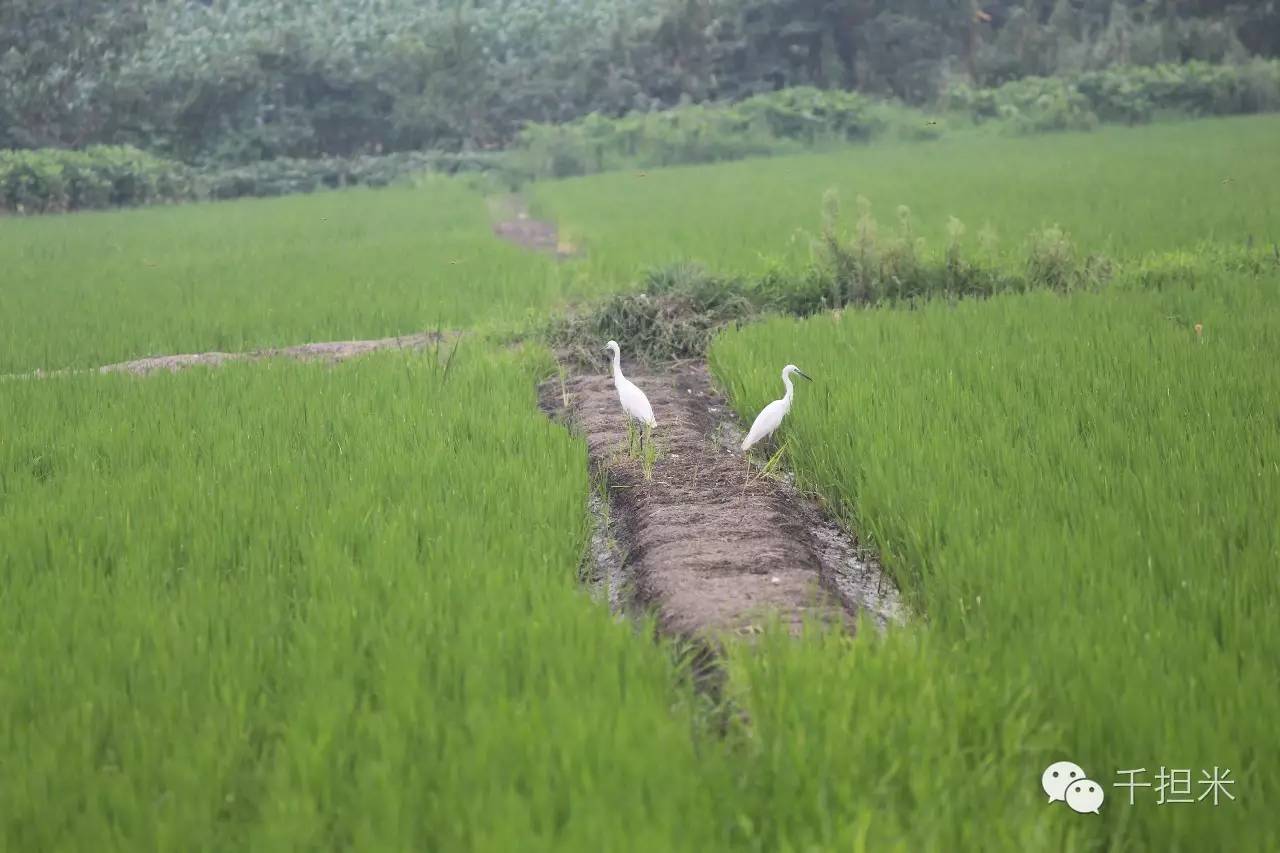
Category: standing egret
<point>770,417</point>
<point>633,400</point>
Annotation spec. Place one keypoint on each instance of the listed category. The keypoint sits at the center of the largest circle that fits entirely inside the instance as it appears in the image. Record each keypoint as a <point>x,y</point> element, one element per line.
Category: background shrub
<point>287,175</point>
<point>774,123</point>
<point>238,81</point>
<point>781,122</point>
<point>1130,94</point>
<point>55,180</point>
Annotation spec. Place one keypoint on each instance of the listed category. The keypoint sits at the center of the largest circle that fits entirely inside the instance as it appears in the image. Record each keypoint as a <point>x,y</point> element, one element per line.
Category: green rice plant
<point>103,287</point>
<point>773,466</point>
<point>1120,192</point>
<point>283,606</point>
<point>280,606</point>
<point>642,447</point>
<point>1078,496</point>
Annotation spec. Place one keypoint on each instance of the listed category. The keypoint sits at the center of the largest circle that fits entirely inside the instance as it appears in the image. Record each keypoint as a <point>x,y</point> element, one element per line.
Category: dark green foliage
<point>285,176</point>
<point>238,81</point>
<point>53,181</point>
<point>59,67</point>
<point>787,121</point>
<point>811,115</point>
<point>1130,94</point>
<point>778,122</point>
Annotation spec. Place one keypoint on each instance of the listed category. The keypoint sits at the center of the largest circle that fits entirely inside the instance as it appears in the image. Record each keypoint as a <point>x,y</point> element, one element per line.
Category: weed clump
<point>870,267</point>
<point>671,316</point>
<point>677,309</point>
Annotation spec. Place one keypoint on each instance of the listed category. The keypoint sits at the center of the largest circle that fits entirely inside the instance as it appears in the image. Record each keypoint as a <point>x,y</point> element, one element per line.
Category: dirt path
<point>329,351</point>
<point>512,222</point>
<point>706,555</point>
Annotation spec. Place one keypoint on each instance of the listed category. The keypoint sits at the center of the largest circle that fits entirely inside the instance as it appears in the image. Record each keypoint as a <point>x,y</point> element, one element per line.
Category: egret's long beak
<point>800,372</point>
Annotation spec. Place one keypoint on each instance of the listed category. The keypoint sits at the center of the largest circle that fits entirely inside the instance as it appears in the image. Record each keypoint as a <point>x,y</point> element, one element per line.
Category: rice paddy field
<point>1081,494</point>
<point>1119,191</point>
<point>289,606</point>
<point>102,287</point>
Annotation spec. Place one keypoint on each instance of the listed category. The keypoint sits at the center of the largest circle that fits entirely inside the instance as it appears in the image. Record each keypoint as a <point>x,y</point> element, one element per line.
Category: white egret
<point>633,400</point>
<point>770,417</point>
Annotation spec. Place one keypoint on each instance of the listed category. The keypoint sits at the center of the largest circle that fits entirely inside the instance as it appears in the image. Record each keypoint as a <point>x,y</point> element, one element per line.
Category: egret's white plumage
<point>770,417</point>
<point>633,400</point>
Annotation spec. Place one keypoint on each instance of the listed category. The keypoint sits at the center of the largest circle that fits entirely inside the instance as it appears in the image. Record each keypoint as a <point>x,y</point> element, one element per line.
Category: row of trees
<point>243,80</point>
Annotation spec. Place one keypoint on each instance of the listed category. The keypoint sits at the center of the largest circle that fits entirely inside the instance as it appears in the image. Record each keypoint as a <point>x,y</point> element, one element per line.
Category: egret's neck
<point>786,380</point>
<point>617,365</point>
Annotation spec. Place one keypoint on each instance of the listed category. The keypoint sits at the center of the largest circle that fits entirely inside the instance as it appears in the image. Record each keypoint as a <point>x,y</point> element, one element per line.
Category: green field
<point>95,288</point>
<point>1119,191</point>
<point>279,606</point>
<point>1081,494</point>
<point>282,607</point>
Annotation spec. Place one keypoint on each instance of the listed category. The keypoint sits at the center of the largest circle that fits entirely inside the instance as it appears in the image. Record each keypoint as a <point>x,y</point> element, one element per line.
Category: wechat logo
<point>1066,781</point>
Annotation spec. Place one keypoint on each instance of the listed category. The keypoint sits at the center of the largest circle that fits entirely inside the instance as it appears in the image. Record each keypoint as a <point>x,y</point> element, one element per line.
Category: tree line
<point>239,81</point>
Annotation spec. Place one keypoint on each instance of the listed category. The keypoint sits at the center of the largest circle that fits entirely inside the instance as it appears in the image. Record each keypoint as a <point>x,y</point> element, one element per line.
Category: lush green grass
<point>92,288</point>
<point>285,607</point>
<point>1080,497</point>
<point>1119,191</point>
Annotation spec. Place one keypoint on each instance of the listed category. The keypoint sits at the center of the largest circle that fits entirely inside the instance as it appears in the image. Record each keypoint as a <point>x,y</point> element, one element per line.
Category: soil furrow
<point>512,222</point>
<point>708,550</point>
<point>329,351</point>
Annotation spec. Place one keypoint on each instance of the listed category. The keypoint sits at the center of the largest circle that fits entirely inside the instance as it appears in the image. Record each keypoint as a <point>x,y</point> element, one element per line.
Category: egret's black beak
<point>800,372</point>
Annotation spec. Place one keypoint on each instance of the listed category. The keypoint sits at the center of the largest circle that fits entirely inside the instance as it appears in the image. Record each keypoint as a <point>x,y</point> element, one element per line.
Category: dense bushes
<point>1131,94</point>
<point>286,175</point>
<point>778,122</point>
<point>786,121</point>
<point>238,81</point>
<point>56,181</point>
<point>795,119</point>
<point>52,180</point>
<point>790,120</point>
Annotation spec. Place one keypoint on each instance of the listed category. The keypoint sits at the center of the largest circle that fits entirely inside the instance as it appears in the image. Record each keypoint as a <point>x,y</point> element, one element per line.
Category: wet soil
<point>707,549</point>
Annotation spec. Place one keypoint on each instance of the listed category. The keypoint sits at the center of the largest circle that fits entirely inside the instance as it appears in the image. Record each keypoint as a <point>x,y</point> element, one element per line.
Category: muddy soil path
<point>332,352</point>
<point>705,554</point>
<point>512,222</point>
